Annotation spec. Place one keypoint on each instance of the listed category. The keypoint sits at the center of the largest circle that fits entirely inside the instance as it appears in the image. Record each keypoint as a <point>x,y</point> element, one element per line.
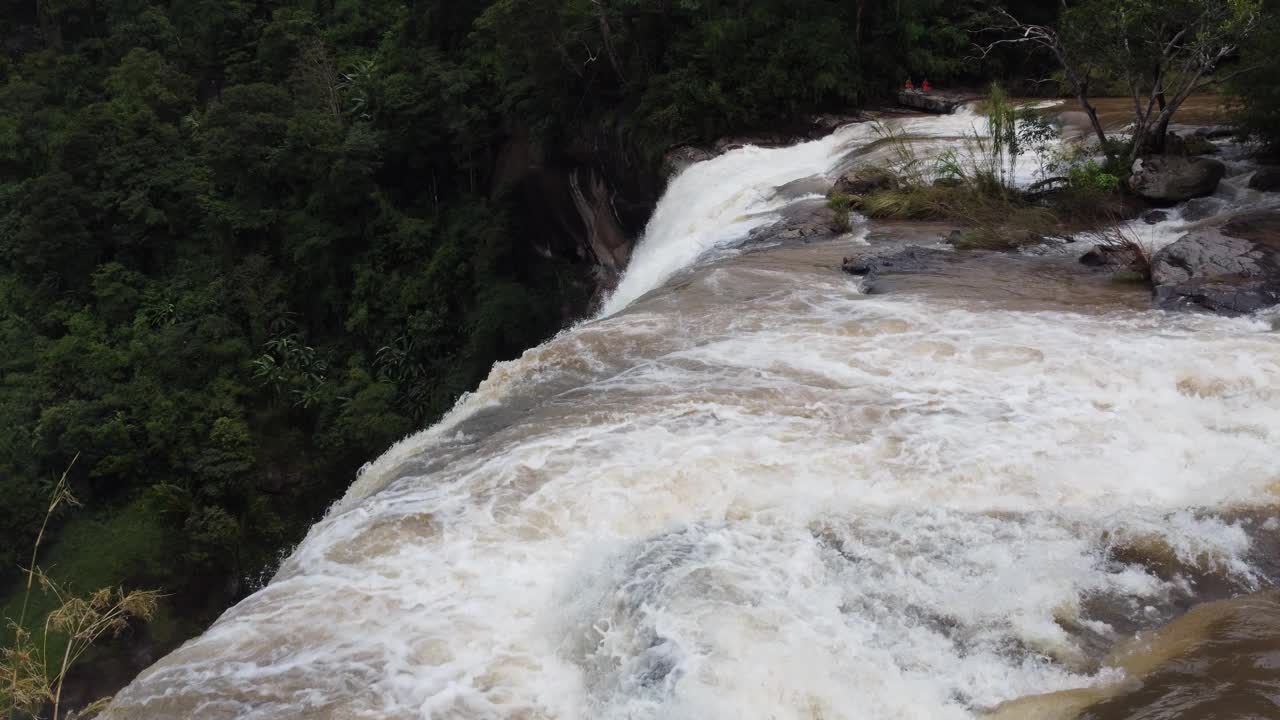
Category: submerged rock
<point>1266,179</point>
<point>1230,270</point>
<point>1155,217</point>
<point>1169,179</point>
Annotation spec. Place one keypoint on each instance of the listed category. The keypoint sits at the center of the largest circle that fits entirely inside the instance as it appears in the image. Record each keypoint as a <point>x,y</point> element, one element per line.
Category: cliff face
<point>586,202</point>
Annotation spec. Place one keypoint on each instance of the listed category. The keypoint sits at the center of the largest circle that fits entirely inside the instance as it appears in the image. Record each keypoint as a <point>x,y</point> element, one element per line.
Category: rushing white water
<point>714,203</point>
<point>759,493</point>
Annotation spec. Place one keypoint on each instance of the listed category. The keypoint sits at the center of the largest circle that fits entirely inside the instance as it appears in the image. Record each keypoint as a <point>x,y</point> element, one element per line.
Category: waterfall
<point>749,490</point>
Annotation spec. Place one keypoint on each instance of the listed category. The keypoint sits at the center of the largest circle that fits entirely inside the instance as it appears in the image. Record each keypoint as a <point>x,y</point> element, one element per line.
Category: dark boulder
<point>1230,270</point>
<point>1266,179</point>
<point>1153,217</point>
<point>1169,179</point>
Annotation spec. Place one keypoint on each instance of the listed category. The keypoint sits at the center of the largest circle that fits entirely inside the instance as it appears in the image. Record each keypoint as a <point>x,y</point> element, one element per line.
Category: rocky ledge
<point>932,102</point>
<point>1231,270</point>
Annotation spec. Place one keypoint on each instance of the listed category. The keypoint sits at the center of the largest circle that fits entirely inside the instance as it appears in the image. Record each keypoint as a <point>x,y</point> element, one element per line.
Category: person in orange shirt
<point>925,85</point>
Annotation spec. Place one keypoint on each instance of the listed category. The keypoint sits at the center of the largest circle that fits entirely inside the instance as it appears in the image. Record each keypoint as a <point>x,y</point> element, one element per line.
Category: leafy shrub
<point>1092,176</point>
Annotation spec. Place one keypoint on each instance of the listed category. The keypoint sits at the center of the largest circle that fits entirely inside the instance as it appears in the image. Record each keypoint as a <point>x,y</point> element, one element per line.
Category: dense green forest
<point>246,245</point>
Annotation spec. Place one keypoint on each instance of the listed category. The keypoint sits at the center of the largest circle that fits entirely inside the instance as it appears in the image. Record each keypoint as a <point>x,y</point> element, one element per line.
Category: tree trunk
<point>1093,115</point>
<point>606,36</point>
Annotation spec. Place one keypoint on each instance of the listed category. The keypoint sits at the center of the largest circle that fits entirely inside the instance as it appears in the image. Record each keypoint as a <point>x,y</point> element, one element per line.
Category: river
<point>749,489</point>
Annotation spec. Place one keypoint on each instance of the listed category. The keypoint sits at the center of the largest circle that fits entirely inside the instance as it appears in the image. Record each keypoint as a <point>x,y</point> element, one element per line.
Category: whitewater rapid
<point>750,490</point>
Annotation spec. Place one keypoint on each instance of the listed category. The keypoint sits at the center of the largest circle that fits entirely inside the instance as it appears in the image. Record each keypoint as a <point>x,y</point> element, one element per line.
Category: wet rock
<point>807,230</point>
<point>763,140</point>
<point>803,187</point>
<point>911,259</point>
<point>931,102</point>
<point>1230,270</point>
<point>1202,208</point>
<point>803,221</point>
<point>677,160</point>
<point>827,123</point>
<point>863,180</point>
<point>1169,179</point>
<point>1266,179</point>
<point>955,237</point>
<point>1154,217</point>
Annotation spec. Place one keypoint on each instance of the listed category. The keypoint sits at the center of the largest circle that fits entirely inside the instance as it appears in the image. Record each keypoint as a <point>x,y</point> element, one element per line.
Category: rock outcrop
<point>1230,270</point>
<point>1169,179</point>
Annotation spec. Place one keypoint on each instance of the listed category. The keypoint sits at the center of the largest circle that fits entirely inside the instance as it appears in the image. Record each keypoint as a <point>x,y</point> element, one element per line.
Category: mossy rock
<point>868,179</point>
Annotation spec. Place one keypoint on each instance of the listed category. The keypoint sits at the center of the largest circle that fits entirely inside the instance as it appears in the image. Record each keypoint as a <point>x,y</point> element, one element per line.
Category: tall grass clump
<point>32,676</point>
<point>1125,244</point>
<point>998,149</point>
<point>840,203</point>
